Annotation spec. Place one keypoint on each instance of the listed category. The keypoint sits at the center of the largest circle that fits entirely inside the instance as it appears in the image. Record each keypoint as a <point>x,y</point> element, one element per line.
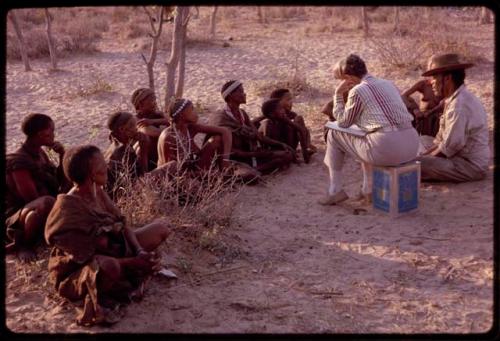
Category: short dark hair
<point>117,119</point>
<point>77,162</point>
<point>279,93</point>
<point>269,106</point>
<point>353,65</point>
<point>34,123</point>
<point>457,76</point>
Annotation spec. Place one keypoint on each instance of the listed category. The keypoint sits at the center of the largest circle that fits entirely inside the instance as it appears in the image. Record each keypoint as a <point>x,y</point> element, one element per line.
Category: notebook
<point>353,129</point>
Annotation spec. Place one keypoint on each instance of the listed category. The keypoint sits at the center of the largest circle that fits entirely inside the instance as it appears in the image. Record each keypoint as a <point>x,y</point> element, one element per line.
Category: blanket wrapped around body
<point>45,177</point>
<point>73,228</point>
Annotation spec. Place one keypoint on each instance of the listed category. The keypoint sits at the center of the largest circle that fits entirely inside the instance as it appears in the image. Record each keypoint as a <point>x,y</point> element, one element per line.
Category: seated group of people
<point>454,141</point>
<point>99,260</point>
<point>96,257</point>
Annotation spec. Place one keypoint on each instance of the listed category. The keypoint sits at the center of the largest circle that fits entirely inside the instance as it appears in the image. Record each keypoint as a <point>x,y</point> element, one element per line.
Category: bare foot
<point>138,293</point>
<point>26,255</point>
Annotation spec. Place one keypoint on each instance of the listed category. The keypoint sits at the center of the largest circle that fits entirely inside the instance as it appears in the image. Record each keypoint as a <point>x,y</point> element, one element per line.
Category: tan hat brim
<point>446,68</point>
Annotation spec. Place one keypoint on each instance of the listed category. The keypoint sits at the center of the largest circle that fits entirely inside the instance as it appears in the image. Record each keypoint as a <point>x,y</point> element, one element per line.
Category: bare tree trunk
<point>155,36</point>
<point>212,22</point>
<point>22,44</point>
<point>262,15</point>
<point>177,35</point>
<point>396,20</point>
<point>485,17</point>
<point>427,12</point>
<point>364,21</point>
<point>182,59</point>
<point>52,49</point>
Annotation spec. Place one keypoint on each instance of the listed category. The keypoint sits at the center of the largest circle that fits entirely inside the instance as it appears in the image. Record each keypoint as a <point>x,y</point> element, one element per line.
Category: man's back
<point>381,104</point>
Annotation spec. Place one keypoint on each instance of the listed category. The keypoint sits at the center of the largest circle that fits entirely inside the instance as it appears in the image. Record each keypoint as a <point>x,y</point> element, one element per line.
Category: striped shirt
<point>372,104</point>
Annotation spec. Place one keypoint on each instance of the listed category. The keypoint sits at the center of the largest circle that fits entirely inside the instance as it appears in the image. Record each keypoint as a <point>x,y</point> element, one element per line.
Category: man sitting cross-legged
<point>460,151</point>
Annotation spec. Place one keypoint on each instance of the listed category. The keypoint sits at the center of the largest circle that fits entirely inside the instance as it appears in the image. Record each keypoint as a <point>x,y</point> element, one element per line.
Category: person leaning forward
<point>375,105</point>
<point>460,151</point>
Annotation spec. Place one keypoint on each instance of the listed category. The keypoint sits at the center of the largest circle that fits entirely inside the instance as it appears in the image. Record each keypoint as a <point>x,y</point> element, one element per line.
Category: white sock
<point>335,182</point>
<point>367,179</point>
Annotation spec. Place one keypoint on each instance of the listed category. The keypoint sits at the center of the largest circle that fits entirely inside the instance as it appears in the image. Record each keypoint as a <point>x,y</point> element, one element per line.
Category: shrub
<point>31,16</point>
<point>120,14</point>
<point>136,30</point>
<point>420,38</point>
<point>36,45</point>
<point>398,52</point>
<point>98,86</point>
<point>71,34</point>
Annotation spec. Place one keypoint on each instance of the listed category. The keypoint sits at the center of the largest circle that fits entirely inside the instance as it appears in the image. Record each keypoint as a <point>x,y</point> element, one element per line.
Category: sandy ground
<point>288,265</point>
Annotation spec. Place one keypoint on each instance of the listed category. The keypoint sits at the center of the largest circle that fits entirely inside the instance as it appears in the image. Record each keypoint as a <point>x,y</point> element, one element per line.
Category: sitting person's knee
<point>109,267</point>
<point>164,230</point>
<point>299,120</point>
<point>47,202</point>
<point>216,139</point>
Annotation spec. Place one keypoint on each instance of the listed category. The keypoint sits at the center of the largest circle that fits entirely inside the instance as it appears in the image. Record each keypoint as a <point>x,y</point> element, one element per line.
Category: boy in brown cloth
<point>150,121</point>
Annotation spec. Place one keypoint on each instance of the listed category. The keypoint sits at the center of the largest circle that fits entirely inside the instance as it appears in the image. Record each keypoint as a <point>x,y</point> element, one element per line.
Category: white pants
<point>379,148</point>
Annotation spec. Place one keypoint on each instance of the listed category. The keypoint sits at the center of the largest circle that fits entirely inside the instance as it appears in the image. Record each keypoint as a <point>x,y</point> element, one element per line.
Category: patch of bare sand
<point>286,264</point>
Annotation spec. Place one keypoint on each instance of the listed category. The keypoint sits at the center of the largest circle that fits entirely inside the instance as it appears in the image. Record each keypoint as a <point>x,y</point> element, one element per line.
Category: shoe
<point>366,197</point>
<point>334,199</point>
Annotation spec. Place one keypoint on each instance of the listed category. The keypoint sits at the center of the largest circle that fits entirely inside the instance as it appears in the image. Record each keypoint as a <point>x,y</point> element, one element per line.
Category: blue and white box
<point>396,189</point>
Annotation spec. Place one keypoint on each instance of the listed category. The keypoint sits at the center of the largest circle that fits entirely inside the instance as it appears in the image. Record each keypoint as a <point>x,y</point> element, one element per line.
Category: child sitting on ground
<point>293,124</point>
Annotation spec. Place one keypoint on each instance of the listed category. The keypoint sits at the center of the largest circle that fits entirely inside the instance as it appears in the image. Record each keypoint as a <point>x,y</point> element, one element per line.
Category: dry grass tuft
<point>192,205</point>
<point>294,79</point>
<point>98,86</point>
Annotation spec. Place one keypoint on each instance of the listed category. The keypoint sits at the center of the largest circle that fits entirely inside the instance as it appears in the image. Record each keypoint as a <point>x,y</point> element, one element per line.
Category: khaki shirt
<point>463,129</point>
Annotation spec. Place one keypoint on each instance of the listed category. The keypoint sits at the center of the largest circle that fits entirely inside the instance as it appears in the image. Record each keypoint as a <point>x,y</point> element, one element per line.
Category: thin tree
<point>52,49</point>
<point>22,44</point>
<point>155,37</point>
<point>364,21</point>
<point>262,15</point>
<point>485,17</point>
<point>396,20</point>
<point>212,21</point>
<point>182,59</point>
<point>427,12</point>
<point>175,52</point>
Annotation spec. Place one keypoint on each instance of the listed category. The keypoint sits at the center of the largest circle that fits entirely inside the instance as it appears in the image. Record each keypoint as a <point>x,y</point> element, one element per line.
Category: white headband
<point>231,88</point>
<point>179,110</point>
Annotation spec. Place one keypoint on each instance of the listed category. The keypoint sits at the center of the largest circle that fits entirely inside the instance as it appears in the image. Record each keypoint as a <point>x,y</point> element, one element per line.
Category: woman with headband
<point>176,143</point>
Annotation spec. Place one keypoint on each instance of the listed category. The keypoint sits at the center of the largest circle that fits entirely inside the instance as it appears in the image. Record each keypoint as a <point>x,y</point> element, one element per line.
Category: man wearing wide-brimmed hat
<point>460,150</point>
